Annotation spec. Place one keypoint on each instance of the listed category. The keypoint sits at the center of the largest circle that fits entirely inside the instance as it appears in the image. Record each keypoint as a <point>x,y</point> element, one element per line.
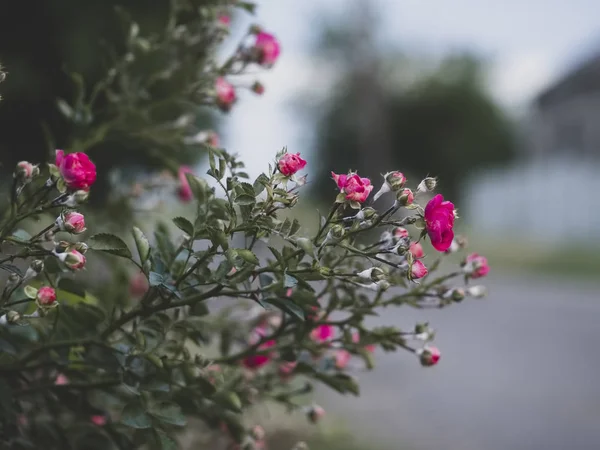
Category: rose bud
<point>374,274</point>
<point>336,232</point>
<point>266,49</point>
<point>184,191</point>
<point>342,358</point>
<point>286,369</point>
<point>439,222</point>
<point>224,20</point>
<point>393,181</point>
<point>258,433</point>
<point>98,420</point>
<point>429,356</point>
<point>476,266</point>
<point>225,97</point>
<point>71,222</point>
<point>289,164</point>
<point>315,413</point>
<point>417,270</point>
<point>405,197</point>
<point>417,250</point>
<point>76,169</point>
<point>400,232</point>
<point>456,294</point>
<point>427,185</point>
<point>81,247</point>
<point>73,259</point>
<point>138,285</point>
<point>258,88</point>
<point>26,171</point>
<point>46,296</point>
<point>11,317</point>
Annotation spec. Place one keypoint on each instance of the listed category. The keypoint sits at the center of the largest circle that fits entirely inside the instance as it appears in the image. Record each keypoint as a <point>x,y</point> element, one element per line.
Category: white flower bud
<point>477,291</point>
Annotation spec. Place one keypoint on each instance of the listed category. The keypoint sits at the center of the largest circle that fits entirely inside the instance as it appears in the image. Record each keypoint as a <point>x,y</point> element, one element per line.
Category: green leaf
<point>200,187</point>
<point>142,244</point>
<point>247,256</point>
<point>109,243</point>
<point>165,442</point>
<point>287,306</point>
<point>278,256</point>
<point>244,199</point>
<point>155,279</point>
<point>184,225</point>
<point>289,281</point>
<point>169,413</point>
<point>260,183</point>
<point>134,416</point>
<point>219,238</point>
<point>229,400</point>
<point>21,235</point>
<point>248,6</point>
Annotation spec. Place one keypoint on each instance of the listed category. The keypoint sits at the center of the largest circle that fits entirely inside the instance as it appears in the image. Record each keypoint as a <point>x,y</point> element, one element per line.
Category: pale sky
<point>529,43</point>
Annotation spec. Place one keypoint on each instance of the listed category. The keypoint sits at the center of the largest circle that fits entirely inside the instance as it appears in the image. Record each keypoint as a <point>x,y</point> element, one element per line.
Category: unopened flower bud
<point>383,285</point>
<point>405,197</point>
<point>62,247</point>
<point>417,270</point>
<point>76,198</point>
<point>400,232</point>
<point>427,185</point>
<point>81,247</point>
<point>477,291</point>
<point>336,232</point>
<point>25,171</point>
<point>73,259</point>
<point>366,214</point>
<point>325,271</point>
<point>374,274</point>
<point>258,433</point>
<point>13,317</point>
<point>71,222</point>
<point>402,246</point>
<point>457,294</point>
<point>315,413</point>
<point>13,279</point>
<point>396,180</point>
<point>49,236</point>
<point>428,356</point>
<point>258,88</point>
<point>255,29</point>
<point>46,297</point>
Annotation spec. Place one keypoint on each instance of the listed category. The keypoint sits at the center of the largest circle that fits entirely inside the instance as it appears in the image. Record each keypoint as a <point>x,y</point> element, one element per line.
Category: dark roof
<point>584,79</point>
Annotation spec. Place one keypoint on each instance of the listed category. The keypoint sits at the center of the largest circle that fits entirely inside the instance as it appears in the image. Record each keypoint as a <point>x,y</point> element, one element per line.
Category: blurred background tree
<point>444,123</point>
<point>61,50</point>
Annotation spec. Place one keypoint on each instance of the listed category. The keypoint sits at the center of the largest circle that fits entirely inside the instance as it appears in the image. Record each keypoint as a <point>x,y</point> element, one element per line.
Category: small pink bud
<point>73,259</point>
<point>25,171</point>
<point>71,222</point>
<point>286,369</point>
<point>395,180</point>
<point>266,49</point>
<point>224,20</point>
<point>342,358</point>
<point>184,191</point>
<point>225,94</point>
<point>429,356</point>
<point>406,197</point>
<point>476,266</point>
<point>258,433</point>
<point>289,164</point>
<point>315,413</point>
<point>61,380</point>
<point>418,270</point>
<point>257,361</point>
<point>46,296</point>
<point>322,333</point>
<point>138,285</point>
<point>416,249</point>
<point>98,420</point>
<point>400,232</point>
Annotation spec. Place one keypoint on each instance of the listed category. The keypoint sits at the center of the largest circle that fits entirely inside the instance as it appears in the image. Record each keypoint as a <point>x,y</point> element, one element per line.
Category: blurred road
<point>519,370</point>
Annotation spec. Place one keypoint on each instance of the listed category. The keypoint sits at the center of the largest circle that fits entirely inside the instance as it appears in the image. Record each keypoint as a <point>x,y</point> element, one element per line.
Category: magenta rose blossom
<point>322,333</point>
<point>256,361</point>
<point>289,164</point>
<point>268,48</point>
<point>439,221</point>
<point>184,191</point>
<point>356,188</point>
<point>76,169</point>
<point>225,94</point>
<point>477,266</point>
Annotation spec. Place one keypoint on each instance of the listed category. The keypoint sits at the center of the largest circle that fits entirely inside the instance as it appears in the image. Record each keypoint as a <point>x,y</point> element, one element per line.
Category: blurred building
<point>552,191</point>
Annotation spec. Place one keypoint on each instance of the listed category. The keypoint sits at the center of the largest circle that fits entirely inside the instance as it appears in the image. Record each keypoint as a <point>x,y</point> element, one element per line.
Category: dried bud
<point>405,197</point>
<point>258,88</point>
<point>427,185</point>
<point>477,291</point>
<point>429,356</point>
<point>49,236</point>
<point>13,279</point>
<point>13,317</point>
<point>315,413</point>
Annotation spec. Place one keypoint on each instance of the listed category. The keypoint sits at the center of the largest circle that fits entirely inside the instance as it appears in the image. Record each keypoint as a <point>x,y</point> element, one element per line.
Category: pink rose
<point>429,356</point>
<point>477,266</point>
<point>400,232</point>
<point>356,340</point>
<point>416,249</point>
<point>72,222</point>
<point>356,188</point>
<point>225,94</point>
<point>439,221</point>
<point>257,361</point>
<point>268,49</point>
<point>322,333</point>
<point>61,380</point>
<point>289,164</point>
<point>342,358</point>
<point>418,270</point>
<point>46,296</point>
<point>184,191</point>
<point>78,172</point>
<point>98,420</point>
<point>315,413</point>
<point>25,170</point>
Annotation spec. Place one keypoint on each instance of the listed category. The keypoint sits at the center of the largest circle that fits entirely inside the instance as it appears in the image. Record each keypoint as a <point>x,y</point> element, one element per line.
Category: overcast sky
<point>529,44</point>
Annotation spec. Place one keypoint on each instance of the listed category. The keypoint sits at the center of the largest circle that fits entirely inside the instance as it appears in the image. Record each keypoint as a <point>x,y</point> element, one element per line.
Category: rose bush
<point>230,306</point>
